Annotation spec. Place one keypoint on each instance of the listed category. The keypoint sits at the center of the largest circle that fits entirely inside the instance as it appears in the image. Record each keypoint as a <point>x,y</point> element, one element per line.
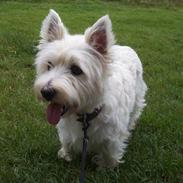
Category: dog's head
<point>71,68</point>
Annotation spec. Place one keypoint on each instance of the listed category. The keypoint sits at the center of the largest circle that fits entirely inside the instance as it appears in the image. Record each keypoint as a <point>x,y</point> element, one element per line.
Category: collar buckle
<point>86,117</point>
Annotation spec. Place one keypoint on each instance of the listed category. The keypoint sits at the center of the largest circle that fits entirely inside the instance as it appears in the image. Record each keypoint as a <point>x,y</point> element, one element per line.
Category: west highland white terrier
<point>79,74</point>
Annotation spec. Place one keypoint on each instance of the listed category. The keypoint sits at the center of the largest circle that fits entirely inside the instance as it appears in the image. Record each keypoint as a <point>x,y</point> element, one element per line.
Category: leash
<point>84,119</point>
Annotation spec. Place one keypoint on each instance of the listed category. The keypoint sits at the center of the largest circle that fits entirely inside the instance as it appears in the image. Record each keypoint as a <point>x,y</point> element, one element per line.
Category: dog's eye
<point>75,70</point>
<point>49,66</point>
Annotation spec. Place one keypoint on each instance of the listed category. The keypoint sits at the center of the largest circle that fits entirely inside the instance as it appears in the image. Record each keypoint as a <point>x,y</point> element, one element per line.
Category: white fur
<point>113,77</point>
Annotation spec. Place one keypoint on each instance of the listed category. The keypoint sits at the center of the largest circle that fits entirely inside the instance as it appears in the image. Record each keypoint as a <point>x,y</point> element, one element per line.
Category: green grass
<point>28,145</point>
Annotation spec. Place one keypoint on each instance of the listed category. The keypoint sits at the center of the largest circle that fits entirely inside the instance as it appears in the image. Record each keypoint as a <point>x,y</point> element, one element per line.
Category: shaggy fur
<point>111,76</point>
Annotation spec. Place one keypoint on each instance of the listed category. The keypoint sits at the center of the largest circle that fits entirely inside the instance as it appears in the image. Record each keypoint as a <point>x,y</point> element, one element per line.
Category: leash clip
<point>84,119</point>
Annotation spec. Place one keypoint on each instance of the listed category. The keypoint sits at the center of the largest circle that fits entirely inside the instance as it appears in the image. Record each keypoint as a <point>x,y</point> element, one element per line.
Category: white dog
<point>78,74</point>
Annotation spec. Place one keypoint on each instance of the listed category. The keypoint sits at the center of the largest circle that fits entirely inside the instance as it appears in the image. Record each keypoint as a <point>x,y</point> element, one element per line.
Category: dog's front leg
<point>65,153</point>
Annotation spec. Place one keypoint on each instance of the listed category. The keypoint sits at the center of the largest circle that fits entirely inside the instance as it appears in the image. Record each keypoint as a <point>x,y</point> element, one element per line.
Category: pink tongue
<point>54,112</point>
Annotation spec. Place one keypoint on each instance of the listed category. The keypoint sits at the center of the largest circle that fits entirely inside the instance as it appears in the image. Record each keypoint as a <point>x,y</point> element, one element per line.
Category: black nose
<point>48,93</point>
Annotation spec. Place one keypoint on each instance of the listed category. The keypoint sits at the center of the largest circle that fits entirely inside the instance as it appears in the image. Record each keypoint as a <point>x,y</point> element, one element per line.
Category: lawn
<point>28,144</point>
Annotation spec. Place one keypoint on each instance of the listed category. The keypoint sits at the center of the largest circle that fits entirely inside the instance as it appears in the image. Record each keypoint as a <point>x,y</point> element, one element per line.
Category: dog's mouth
<point>55,112</point>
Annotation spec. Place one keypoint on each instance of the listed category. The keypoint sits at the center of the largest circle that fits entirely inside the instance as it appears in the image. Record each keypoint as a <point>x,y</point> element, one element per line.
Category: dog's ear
<point>100,35</point>
<point>52,28</point>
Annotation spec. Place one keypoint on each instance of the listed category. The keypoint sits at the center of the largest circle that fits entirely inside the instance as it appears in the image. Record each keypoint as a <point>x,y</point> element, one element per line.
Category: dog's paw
<point>62,154</point>
<point>101,162</point>
<point>97,159</point>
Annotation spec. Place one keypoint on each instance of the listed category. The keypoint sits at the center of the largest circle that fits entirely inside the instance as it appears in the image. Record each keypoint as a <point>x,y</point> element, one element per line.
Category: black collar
<point>90,116</point>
